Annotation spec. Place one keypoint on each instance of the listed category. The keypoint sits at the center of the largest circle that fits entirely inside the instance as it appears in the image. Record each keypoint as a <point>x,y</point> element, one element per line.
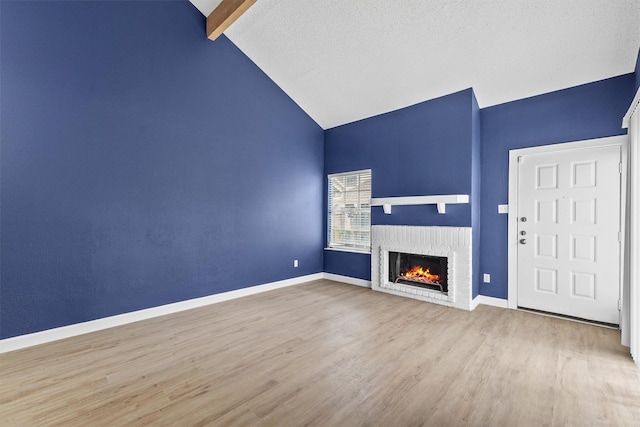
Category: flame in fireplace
<point>420,274</point>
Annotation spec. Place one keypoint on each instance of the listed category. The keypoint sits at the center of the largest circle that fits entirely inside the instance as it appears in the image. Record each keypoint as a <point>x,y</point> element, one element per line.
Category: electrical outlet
<point>503,209</point>
<point>486,278</point>
<point>295,263</point>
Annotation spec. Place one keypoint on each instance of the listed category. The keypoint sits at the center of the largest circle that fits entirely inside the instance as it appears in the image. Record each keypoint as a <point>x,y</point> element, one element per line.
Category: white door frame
<point>621,140</point>
<point>631,322</point>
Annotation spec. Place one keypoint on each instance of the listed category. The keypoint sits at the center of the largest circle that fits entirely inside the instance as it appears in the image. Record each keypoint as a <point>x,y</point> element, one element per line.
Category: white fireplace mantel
<point>441,201</point>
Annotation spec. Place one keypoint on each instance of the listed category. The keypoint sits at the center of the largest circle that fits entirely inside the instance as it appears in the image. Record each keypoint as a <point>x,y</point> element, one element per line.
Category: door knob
<point>523,233</point>
<point>523,219</point>
<point>523,241</point>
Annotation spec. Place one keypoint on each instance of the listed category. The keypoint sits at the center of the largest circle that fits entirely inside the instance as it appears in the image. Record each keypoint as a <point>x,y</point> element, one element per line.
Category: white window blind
<point>350,210</point>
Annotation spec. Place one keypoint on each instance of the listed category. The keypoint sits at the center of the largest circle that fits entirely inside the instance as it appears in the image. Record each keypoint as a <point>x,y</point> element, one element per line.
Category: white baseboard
<point>485,300</point>
<point>347,279</point>
<point>29,340</point>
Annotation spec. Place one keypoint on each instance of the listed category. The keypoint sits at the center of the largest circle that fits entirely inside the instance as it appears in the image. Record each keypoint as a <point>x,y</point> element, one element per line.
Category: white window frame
<point>363,204</point>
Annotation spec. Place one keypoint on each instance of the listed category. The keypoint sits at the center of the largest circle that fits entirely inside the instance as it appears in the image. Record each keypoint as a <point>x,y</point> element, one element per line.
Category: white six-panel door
<point>568,232</point>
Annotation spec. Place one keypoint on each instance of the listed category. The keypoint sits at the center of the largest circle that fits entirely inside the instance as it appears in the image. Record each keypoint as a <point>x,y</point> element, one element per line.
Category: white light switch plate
<point>486,278</point>
<point>503,209</point>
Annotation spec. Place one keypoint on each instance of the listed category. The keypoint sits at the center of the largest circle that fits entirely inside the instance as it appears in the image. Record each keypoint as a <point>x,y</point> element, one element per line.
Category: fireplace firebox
<point>424,271</point>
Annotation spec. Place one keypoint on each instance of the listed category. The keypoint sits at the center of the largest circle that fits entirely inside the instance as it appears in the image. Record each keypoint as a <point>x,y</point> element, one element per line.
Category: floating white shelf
<point>440,201</point>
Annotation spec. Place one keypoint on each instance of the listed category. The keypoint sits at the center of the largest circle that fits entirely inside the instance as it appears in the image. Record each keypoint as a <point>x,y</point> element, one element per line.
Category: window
<point>349,225</point>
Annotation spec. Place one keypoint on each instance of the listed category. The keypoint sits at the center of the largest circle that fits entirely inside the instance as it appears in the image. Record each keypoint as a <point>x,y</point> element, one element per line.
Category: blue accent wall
<point>588,111</point>
<point>423,149</point>
<point>143,164</point>
<point>476,167</point>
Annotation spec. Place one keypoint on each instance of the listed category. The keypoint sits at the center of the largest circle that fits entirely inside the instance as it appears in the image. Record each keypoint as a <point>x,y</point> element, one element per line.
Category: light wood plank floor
<point>327,354</point>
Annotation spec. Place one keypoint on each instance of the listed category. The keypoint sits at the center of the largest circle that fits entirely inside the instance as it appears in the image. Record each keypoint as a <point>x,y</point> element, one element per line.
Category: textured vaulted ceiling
<point>344,60</point>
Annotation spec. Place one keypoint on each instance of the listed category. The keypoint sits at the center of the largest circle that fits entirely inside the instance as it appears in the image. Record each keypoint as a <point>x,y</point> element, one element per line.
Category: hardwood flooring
<point>327,354</point>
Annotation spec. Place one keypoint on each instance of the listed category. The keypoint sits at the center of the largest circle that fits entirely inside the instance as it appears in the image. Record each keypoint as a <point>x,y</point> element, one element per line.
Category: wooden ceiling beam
<point>224,15</point>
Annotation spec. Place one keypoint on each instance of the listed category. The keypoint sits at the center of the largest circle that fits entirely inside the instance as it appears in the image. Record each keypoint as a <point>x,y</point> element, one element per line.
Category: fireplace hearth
<point>432,264</point>
<point>425,271</point>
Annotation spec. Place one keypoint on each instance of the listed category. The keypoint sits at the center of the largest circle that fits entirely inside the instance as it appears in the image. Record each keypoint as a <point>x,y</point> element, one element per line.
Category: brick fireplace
<point>452,243</point>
